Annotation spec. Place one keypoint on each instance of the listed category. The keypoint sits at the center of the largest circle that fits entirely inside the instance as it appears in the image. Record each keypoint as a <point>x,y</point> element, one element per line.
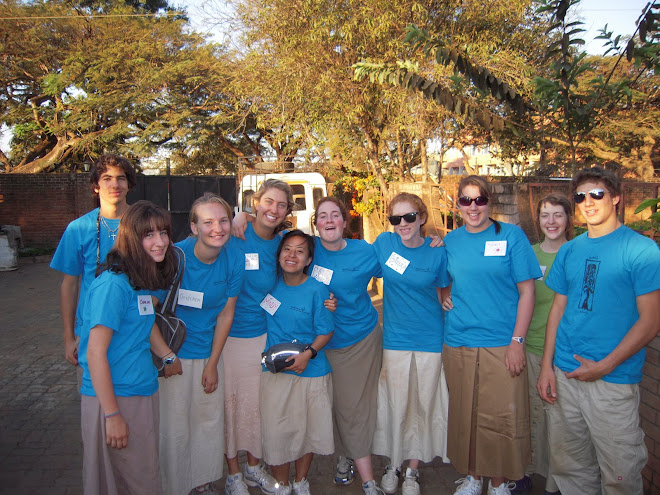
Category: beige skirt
<point>242,378</point>
<point>412,407</point>
<point>488,413</point>
<point>355,371</point>
<point>296,416</point>
<point>191,429</point>
<point>134,469</point>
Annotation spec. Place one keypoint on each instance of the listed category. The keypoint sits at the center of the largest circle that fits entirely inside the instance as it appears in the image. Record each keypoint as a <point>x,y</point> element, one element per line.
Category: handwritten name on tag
<point>397,263</point>
<point>495,248</point>
<point>323,275</point>
<point>251,261</point>
<point>270,304</point>
<point>145,305</point>
<point>191,298</point>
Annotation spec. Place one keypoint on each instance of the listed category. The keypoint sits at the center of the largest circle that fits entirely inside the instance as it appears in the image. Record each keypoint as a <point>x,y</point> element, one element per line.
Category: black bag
<point>275,357</point>
<point>172,328</point>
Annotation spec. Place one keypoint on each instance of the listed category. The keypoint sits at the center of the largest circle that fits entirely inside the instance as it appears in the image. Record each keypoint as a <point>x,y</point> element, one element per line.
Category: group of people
<point>486,342</point>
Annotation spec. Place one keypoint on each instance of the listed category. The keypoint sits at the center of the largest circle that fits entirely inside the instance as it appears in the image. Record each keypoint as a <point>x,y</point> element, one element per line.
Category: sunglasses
<point>467,200</point>
<point>408,217</point>
<point>594,193</point>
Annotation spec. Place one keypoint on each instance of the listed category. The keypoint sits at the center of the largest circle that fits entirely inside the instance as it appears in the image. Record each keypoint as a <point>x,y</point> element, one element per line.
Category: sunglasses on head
<point>467,200</point>
<point>408,217</point>
<point>594,193</point>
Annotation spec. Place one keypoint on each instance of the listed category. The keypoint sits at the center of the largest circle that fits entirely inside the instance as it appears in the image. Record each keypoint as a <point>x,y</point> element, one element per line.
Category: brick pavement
<point>40,447</point>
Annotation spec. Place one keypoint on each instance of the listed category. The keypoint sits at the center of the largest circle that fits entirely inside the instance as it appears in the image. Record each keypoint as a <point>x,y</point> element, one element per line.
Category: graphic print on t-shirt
<point>589,284</point>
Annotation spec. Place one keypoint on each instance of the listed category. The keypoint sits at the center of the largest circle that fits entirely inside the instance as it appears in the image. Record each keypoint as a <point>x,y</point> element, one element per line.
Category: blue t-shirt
<point>208,286</point>
<point>602,278</point>
<point>113,303</point>
<point>76,253</point>
<point>301,316</point>
<point>412,314</point>
<point>260,273</point>
<point>347,273</point>
<point>485,268</point>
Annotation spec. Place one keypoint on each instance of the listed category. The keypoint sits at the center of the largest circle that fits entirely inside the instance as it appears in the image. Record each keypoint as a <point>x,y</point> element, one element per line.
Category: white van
<point>308,188</point>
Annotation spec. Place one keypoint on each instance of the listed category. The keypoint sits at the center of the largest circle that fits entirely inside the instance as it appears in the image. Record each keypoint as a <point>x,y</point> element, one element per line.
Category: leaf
<point>647,203</point>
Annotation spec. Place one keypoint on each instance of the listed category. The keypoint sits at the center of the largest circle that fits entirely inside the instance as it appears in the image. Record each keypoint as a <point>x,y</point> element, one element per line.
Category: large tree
<point>78,80</point>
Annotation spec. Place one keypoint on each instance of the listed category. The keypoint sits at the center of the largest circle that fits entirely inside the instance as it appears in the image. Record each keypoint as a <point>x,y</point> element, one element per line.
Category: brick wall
<point>43,204</point>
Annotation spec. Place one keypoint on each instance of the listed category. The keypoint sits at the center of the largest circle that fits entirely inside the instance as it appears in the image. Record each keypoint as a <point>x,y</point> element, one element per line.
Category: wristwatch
<point>169,360</point>
<point>314,351</point>
<point>520,340</point>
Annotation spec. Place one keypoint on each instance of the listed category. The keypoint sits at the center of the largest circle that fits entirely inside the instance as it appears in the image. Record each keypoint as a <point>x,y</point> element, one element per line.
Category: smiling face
<point>271,209</point>
<point>553,221</point>
<point>294,255</point>
<point>155,243</point>
<point>112,186</point>
<point>213,226</point>
<point>329,222</point>
<point>410,232</point>
<point>475,218</point>
<point>598,212</point>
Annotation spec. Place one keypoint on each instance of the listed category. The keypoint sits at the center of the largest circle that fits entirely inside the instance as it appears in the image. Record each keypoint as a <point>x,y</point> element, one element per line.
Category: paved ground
<point>40,447</point>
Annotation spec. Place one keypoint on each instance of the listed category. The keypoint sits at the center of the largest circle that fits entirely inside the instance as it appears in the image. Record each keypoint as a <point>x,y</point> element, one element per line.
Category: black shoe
<point>523,486</point>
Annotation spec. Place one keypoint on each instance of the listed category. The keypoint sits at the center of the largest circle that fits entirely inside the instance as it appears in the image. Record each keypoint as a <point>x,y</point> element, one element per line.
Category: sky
<point>619,15</point>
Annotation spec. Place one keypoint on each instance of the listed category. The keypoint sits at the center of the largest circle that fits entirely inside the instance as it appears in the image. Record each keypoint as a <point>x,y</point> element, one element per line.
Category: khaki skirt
<point>296,416</point>
<point>355,371</point>
<point>243,372</point>
<point>412,407</point>
<point>488,413</point>
<point>191,429</point>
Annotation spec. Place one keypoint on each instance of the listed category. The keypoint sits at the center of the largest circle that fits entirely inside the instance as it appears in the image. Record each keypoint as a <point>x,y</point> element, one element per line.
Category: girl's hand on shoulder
<point>239,224</point>
<point>331,303</point>
<point>447,304</point>
<point>436,241</point>
<point>210,379</point>
<point>116,432</point>
<point>299,362</point>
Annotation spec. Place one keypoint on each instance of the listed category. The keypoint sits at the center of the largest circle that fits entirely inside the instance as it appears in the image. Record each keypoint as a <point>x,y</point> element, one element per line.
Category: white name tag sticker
<point>397,263</point>
<point>145,305</point>
<point>543,269</point>
<point>251,261</point>
<point>323,275</point>
<point>270,304</point>
<point>495,248</point>
<point>190,298</point>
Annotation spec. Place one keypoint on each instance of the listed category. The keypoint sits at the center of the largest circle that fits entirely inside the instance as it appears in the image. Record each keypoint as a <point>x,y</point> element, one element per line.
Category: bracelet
<point>171,352</point>
<point>112,414</point>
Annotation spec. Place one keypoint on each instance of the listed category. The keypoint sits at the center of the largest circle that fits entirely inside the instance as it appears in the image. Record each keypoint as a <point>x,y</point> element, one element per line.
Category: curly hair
<point>110,160</point>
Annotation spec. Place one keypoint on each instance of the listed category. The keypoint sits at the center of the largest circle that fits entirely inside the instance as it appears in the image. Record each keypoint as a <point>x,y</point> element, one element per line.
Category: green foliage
<point>651,204</point>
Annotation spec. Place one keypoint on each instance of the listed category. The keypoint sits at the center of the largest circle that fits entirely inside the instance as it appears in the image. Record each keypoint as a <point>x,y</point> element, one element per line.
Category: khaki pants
<point>596,444</point>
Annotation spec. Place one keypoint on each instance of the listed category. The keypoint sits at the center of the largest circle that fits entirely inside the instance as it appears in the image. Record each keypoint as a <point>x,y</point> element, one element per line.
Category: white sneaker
<point>235,485</point>
<point>503,489</point>
<point>371,488</point>
<point>301,487</point>
<point>206,489</point>
<point>258,476</point>
<point>283,490</point>
<point>469,486</point>
<point>411,483</point>
<point>344,471</point>
<point>389,483</point>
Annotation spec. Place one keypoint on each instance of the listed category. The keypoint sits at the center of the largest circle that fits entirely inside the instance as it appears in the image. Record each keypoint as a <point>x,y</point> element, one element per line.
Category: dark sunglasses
<point>408,217</point>
<point>594,193</point>
<point>467,200</point>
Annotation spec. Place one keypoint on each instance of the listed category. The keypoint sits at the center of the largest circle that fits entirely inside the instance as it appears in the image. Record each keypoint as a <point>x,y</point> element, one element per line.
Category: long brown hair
<point>128,255</point>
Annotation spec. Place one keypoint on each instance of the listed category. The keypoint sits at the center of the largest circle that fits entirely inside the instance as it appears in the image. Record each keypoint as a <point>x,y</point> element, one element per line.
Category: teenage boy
<point>87,240</point>
<point>607,308</point>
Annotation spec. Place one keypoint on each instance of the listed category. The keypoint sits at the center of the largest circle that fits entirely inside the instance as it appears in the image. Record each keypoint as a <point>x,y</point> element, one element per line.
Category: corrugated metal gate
<point>177,193</point>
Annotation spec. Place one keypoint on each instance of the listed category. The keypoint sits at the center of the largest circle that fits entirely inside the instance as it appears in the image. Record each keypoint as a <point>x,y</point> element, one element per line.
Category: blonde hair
<point>286,189</point>
<point>209,197</point>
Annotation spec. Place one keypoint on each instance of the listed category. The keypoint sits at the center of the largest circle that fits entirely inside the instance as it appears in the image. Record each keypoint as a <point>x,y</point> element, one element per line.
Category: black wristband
<point>314,351</point>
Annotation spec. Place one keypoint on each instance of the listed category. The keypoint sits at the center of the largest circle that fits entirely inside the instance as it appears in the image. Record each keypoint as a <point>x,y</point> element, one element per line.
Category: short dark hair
<point>597,174</point>
<point>110,160</point>
<point>557,200</point>
<point>295,233</point>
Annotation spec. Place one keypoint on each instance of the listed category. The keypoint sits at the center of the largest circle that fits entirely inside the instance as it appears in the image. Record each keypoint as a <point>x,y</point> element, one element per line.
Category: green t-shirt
<point>544,296</point>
